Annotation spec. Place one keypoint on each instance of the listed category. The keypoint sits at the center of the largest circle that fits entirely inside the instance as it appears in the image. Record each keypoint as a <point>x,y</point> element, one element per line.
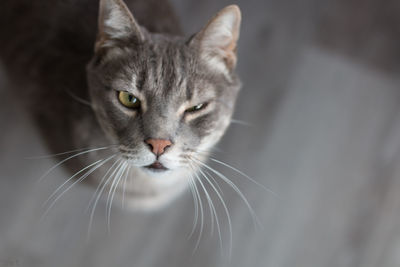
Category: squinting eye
<point>128,100</point>
<point>196,108</point>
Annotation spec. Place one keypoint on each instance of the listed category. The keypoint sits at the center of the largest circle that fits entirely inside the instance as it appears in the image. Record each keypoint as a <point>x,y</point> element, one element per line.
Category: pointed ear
<point>116,23</point>
<point>217,41</point>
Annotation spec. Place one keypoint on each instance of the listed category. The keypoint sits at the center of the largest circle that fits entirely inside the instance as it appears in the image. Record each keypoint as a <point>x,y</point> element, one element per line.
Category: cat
<point>120,78</point>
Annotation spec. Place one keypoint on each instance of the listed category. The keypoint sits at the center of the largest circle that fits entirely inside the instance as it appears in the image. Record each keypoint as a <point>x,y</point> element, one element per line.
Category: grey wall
<point>320,104</point>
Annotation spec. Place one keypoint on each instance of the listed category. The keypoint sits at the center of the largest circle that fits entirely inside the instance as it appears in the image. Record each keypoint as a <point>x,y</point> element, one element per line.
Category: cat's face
<point>165,101</point>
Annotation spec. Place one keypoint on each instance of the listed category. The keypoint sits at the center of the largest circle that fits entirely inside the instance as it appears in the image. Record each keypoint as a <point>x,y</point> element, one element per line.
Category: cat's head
<point>165,100</point>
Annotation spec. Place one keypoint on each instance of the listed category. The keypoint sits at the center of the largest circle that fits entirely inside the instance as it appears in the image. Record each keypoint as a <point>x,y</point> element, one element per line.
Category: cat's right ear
<point>116,24</point>
<point>217,41</point>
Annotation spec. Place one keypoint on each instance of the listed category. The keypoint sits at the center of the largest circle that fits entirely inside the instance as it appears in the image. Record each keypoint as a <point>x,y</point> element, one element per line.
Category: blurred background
<point>320,127</point>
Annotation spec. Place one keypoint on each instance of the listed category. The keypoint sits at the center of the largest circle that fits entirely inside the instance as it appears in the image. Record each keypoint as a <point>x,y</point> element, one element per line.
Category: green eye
<point>129,100</point>
<point>196,108</point>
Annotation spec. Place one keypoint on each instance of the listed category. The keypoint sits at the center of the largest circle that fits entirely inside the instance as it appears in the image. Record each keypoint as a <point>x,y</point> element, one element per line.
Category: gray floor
<point>321,102</point>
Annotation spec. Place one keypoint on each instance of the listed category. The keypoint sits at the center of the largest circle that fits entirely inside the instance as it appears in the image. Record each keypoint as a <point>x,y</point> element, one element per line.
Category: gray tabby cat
<point>157,102</point>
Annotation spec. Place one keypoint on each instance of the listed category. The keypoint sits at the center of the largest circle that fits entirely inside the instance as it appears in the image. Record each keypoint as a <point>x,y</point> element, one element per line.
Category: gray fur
<point>168,72</point>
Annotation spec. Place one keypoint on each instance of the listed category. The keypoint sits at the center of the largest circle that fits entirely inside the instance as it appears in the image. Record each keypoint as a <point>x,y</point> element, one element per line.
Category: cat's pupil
<point>128,100</point>
<point>196,108</point>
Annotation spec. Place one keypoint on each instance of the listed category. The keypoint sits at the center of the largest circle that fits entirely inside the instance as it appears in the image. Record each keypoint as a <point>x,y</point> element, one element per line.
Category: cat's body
<point>59,53</point>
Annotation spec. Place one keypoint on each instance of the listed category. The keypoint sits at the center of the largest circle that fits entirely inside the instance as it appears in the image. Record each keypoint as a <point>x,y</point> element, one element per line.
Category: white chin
<point>151,190</point>
<point>151,202</point>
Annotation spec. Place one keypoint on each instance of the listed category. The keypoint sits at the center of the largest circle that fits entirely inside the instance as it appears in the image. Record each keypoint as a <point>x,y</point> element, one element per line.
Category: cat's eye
<point>128,100</point>
<point>196,108</point>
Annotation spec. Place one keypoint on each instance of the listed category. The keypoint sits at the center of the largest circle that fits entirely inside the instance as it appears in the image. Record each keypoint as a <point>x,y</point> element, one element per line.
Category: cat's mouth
<point>156,167</point>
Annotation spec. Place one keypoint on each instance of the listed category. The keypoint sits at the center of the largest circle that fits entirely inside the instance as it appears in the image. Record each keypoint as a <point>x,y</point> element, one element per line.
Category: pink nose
<point>158,146</point>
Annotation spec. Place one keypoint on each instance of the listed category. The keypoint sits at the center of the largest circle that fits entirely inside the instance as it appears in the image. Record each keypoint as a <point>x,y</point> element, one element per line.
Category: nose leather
<point>158,146</point>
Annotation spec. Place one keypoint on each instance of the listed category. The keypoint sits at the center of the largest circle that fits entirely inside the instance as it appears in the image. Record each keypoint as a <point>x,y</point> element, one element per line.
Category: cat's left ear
<point>116,23</point>
<point>217,41</point>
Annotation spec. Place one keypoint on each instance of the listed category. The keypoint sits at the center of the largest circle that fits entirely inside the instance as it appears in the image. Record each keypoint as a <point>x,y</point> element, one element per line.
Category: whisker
<point>101,161</point>
<point>118,161</point>
<point>110,190</point>
<point>207,198</point>
<point>69,179</point>
<point>71,157</point>
<point>62,153</point>
<point>124,186</point>
<point>234,187</point>
<point>239,122</point>
<point>211,151</point>
<point>98,164</point>
<point>201,216</point>
<point>196,207</point>
<point>78,99</point>
<point>213,180</point>
<point>101,182</point>
<point>212,211</point>
<point>244,175</point>
<point>224,206</point>
<point>118,178</point>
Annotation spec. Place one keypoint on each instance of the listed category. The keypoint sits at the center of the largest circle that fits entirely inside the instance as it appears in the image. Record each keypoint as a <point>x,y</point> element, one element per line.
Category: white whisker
<point>101,191</point>
<point>234,187</point>
<point>61,153</point>
<point>110,189</point>
<point>69,179</point>
<point>224,206</point>
<point>71,157</point>
<point>243,123</point>
<point>118,178</point>
<point>127,174</point>
<point>196,207</point>
<point>213,180</point>
<point>212,210</point>
<point>201,216</point>
<point>243,174</point>
<point>78,99</point>
<point>100,183</point>
<point>98,164</point>
<point>209,201</point>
